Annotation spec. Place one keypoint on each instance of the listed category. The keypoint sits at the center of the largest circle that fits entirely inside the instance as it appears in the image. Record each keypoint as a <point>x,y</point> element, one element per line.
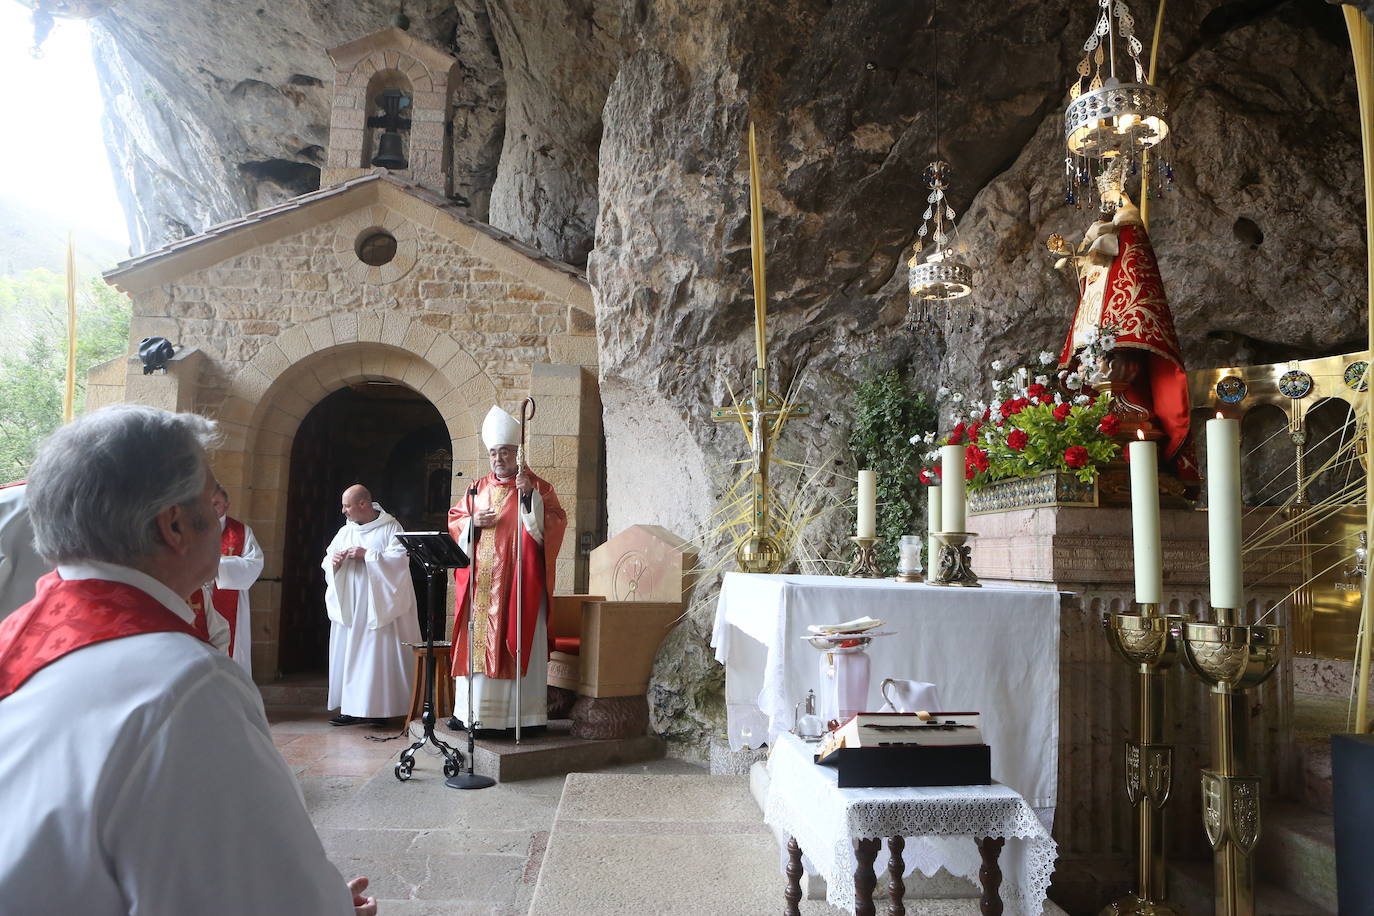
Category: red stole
<point>225,600</point>
<point>66,615</point>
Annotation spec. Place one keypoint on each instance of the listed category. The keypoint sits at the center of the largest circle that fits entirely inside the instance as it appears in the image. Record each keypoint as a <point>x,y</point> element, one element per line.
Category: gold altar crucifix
<point>762,414</point>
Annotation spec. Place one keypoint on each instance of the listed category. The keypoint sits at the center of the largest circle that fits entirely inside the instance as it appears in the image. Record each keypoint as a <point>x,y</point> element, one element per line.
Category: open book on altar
<point>889,749</point>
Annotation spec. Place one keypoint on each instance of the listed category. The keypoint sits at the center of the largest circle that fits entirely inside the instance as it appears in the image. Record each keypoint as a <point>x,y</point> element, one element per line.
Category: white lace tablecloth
<point>990,650</point>
<point>939,825</point>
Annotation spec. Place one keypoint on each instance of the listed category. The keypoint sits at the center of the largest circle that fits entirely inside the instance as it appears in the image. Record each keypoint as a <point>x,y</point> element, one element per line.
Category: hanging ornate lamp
<point>1108,119</point>
<point>938,276</point>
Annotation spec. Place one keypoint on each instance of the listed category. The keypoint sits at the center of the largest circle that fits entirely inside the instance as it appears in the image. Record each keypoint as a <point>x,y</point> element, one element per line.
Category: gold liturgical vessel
<point>1145,640</point>
<point>1230,658</point>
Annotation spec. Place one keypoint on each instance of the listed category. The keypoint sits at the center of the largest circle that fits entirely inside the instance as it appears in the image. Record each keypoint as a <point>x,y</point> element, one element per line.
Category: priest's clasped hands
<point>348,553</point>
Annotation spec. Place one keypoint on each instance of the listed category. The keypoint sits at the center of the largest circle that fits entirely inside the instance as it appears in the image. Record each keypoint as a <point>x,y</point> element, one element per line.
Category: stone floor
<point>700,848</point>
<point>427,849</point>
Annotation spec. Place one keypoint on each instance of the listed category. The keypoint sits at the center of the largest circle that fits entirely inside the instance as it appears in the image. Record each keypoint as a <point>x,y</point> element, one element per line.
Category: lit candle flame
<point>1140,434</point>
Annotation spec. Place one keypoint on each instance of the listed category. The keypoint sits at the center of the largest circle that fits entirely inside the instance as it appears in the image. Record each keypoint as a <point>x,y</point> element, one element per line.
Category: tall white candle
<point>952,488</point>
<point>1223,511</point>
<point>933,508</point>
<point>1149,566</point>
<point>868,504</point>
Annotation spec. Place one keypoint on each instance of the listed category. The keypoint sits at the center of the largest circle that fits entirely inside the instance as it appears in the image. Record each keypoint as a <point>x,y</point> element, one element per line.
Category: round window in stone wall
<point>376,247</point>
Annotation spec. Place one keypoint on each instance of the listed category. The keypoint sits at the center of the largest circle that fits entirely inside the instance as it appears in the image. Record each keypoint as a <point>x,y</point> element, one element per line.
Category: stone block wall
<point>283,313</point>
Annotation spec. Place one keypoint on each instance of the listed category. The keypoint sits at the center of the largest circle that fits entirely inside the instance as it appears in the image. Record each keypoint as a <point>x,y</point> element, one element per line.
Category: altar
<point>990,650</point>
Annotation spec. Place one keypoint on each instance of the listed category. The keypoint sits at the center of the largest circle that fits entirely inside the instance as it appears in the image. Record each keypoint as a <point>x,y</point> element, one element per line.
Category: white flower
<point>915,439</point>
<point>941,393</point>
<point>955,397</point>
<point>1046,357</point>
<point>930,437</point>
<point>1107,342</point>
<point>1058,398</point>
<point>933,455</point>
<point>1074,381</point>
<point>1081,400</point>
<point>1090,336</point>
<point>1042,380</point>
<point>996,365</point>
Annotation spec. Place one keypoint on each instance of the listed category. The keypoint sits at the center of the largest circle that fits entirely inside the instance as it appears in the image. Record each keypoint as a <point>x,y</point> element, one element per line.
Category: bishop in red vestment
<point>510,503</point>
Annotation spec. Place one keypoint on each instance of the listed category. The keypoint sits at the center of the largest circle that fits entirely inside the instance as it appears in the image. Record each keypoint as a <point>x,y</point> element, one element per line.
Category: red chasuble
<point>493,565</point>
<point>1129,293</point>
<point>66,615</point>
<point>225,600</point>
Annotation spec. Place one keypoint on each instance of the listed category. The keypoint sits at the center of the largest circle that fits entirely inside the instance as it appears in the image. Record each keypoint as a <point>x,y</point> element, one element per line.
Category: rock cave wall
<point>612,134</point>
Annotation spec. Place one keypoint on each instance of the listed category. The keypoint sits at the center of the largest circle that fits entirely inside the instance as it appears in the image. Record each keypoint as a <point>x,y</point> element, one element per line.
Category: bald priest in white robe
<point>371,604</point>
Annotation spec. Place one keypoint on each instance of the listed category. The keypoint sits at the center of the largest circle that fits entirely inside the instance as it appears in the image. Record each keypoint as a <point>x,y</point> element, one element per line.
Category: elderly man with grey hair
<point>137,772</point>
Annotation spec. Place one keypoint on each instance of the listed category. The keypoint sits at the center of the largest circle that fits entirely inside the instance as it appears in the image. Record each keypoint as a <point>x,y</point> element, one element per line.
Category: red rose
<point>987,415</point>
<point>939,471</point>
<point>977,457</point>
<point>1037,392</point>
<point>1061,413</point>
<point>973,431</point>
<point>1075,456</point>
<point>1022,404</point>
<point>956,435</point>
<point>970,472</point>
<point>1017,440</point>
<point>927,478</point>
<point>1007,409</point>
<point>1110,424</point>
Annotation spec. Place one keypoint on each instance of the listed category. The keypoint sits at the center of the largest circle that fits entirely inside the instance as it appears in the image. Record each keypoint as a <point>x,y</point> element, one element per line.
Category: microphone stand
<point>459,779</point>
<point>437,553</point>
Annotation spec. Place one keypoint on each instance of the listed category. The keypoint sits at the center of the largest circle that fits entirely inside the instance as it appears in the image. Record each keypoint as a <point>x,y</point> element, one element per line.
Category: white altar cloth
<point>938,823</point>
<point>990,650</point>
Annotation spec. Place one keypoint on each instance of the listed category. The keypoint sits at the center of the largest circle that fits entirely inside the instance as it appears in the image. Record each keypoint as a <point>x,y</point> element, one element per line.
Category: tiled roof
<point>257,217</point>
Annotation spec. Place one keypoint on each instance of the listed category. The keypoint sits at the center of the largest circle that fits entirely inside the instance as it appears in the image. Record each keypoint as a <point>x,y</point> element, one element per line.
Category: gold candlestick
<point>1144,639</point>
<point>865,564</point>
<point>1231,658</point>
<point>956,562</point>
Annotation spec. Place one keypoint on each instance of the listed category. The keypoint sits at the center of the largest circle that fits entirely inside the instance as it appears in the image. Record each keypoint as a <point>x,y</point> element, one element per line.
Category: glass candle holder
<point>909,554</point>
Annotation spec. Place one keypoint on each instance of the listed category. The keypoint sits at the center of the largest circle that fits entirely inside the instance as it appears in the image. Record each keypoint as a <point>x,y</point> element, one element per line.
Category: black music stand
<point>437,553</point>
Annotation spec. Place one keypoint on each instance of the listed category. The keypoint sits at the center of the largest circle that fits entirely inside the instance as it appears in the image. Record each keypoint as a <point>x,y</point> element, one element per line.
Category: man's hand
<point>337,559</point>
<point>523,483</point>
<point>362,906</point>
<point>355,553</point>
<point>484,518</point>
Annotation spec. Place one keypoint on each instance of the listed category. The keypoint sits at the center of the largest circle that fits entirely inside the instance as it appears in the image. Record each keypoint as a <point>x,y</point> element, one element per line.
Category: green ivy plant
<point>887,411</point>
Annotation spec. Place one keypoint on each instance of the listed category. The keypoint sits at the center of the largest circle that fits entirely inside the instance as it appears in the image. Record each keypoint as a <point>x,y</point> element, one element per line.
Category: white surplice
<point>138,775</point>
<point>495,698</point>
<point>20,564</point>
<point>240,573</point>
<point>371,607</point>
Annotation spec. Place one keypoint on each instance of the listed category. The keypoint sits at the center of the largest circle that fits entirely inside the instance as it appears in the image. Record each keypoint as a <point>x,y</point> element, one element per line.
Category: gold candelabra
<point>1231,658</point>
<point>865,563</point>
<point>1145,640</point>
<point>956,562</point>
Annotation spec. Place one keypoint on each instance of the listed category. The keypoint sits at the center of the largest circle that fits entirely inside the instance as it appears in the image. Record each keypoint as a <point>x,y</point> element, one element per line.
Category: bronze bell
<point>390,150</point>
<point>390,153</point>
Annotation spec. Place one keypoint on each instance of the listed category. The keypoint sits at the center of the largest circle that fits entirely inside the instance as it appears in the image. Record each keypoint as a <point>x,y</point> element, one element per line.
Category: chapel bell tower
<point>393,95</point>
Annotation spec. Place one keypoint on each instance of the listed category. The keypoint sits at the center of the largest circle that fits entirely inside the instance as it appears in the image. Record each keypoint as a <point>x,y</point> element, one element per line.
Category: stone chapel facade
<point>377,279</point>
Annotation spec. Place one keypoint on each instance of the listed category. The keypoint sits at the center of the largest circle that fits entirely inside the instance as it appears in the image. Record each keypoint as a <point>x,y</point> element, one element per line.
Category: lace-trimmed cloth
<point>938,823</point>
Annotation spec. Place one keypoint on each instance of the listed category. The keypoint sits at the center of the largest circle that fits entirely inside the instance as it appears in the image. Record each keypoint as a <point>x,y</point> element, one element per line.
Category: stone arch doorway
<point>377,432</point>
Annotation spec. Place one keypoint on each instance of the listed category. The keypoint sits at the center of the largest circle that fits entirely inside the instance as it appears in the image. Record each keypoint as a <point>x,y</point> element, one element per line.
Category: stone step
<point>1297,851</point>
<point>1190,893</point>
<point>550,752</point>
<point>304,692</point>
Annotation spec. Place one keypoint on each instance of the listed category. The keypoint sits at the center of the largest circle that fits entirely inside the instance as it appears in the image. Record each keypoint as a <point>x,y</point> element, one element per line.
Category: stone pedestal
<point>1087,553</point>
